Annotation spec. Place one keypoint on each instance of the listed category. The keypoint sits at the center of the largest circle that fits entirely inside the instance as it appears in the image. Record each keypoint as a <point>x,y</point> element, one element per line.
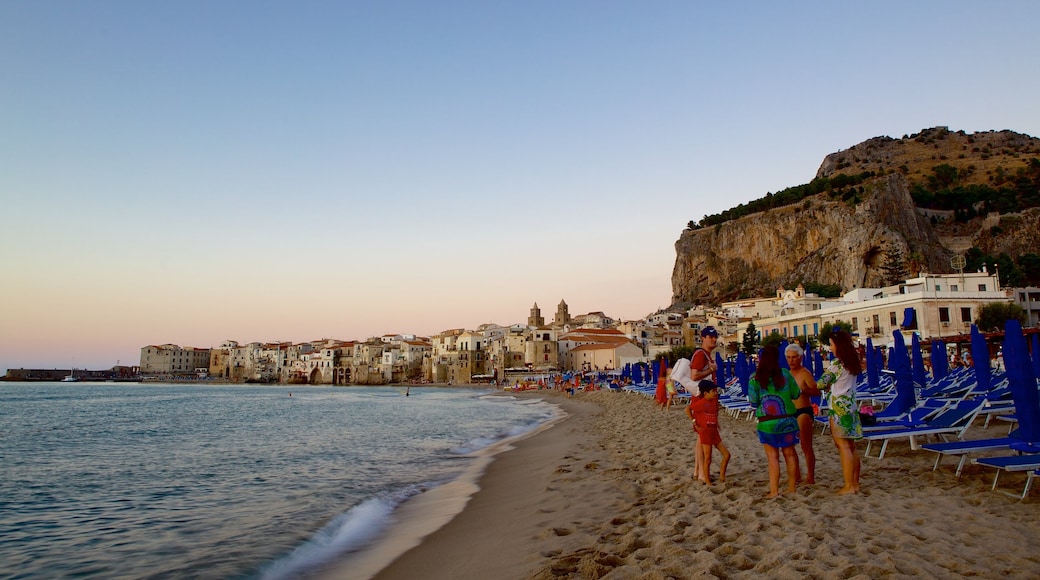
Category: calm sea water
<point>172,481</point>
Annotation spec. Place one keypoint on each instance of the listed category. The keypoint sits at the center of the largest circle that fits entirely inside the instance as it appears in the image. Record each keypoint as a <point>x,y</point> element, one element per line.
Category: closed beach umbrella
<point>918,360</point>
<point>743,372</point>
<point>899,363</point>
<point>817,365</point>
<point>873,367</point>
<point>1036,355</point>
<point>1022,382</point>
<point>980,354</point>
<point>940,364</point>
<point>783,359</point>
<point>720,374</point>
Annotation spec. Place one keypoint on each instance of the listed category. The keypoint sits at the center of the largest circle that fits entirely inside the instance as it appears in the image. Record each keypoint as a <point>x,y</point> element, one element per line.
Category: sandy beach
<point>608,492</point>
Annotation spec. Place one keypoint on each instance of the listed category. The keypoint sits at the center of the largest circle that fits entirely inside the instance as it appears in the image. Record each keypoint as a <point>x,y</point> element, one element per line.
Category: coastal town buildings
<point>1028,299</point>
<point>170,358</point>
<point>931,305</point>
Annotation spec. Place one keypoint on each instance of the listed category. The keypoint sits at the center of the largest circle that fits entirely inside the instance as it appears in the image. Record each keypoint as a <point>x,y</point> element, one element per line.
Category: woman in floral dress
<point>839,381</point>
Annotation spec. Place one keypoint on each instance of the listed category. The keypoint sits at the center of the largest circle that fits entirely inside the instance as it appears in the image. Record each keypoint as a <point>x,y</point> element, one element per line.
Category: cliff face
<point>816,240</point>
<point>877,239</point>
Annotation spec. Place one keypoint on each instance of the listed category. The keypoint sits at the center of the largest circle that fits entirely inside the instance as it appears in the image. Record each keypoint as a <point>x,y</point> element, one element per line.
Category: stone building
<point>170,359</point>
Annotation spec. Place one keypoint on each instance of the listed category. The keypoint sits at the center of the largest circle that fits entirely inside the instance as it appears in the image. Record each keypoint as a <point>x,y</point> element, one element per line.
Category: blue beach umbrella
<point>918,361</point>
<point>980,357</point>
<point>720,372</point>
<point>1022,382</point>
<point>873,367</point>
<point>940,364</point>
<point>899,363</point>
<point>783,358</point>
<point>743,372</point>
<point>817,365</point>
<point>1036,355</point>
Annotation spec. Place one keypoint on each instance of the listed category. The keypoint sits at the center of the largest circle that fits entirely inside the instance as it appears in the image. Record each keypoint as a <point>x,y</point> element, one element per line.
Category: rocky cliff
<point>874,238</point>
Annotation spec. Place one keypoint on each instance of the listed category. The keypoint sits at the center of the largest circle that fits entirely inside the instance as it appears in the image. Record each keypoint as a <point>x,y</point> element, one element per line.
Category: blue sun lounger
<point>953,420</point>
<point>965,448</point>
<point>1013,463</point>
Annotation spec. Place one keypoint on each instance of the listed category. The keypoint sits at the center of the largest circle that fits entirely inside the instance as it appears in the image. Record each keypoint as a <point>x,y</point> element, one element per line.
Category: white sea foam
<point>344,534</point>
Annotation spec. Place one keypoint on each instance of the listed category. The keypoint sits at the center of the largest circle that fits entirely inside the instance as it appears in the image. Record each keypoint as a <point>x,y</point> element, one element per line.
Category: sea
<point>126,480</point>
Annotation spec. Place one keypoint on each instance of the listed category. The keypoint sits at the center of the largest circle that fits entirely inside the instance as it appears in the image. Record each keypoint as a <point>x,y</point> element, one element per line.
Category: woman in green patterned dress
<point>839,381</point>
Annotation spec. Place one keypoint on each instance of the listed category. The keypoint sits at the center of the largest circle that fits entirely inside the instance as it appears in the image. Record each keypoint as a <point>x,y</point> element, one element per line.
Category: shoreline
<point>609,490</point>
<point>425,514</point>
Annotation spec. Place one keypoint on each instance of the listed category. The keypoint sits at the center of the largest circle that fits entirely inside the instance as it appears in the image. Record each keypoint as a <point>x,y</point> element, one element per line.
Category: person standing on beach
<point>839,379</point>
<point>703,410</point>
<point>702,367</point>
<point>803,409</point>
<point>663,394</point>
<point>773,391</point>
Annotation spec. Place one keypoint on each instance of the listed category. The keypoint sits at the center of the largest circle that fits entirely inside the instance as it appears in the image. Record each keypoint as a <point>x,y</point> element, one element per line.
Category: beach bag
<point>681,374</point>
<point>866,416</point>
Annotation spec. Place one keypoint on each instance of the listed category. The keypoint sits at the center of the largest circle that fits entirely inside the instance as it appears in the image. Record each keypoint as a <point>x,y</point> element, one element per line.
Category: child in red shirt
<point>704,412</point>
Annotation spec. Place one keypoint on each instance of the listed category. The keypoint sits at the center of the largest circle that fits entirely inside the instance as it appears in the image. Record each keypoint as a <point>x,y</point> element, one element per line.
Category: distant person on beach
<point>772,390</point>
<point>803,409</point>
<point>662,395</point>
<point>702,367</point>
<point>703,410</point>
<point>839,380</point>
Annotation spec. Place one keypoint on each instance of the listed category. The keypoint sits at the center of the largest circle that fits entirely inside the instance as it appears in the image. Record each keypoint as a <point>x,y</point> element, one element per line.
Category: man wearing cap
<point>703,367</point>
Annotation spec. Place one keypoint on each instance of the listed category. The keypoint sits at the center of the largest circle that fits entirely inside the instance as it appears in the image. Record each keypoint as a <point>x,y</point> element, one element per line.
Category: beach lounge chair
<point>953,420</point>
<point>1012,463</point>
<point>965,448</point>
<point>917,416</point>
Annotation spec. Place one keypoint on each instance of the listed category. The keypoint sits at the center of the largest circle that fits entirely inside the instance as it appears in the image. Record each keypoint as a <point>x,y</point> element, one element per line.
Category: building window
<point>877,324</point>
<point>855,324</point>
<point>938,287</point>
<point>796,330</point>
<point>944,315</point>
<point>954,287</point>
<point>982,287</point>
<point>966,314</point>
<point>891,318</point>
<point>816,328</point>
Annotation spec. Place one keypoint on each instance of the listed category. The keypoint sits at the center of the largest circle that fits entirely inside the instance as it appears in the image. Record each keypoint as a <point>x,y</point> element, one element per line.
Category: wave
<point>348,532</point>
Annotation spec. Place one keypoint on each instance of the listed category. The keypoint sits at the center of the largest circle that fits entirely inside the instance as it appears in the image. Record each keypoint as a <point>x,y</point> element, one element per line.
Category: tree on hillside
<point>750,340</point>
<point>774,339</point>
<point>828,328</point>
<point>676,353</point>
<point>894,267</point>
<point>1030,264</point>
<point>995,315</point>
<point>822,290</point>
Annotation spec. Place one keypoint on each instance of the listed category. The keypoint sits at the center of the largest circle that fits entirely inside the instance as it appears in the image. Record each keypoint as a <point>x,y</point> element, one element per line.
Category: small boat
<point>71,378</point>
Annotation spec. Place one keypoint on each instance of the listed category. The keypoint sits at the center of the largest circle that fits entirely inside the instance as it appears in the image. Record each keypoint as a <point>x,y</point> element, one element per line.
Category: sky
<point>195,171</point>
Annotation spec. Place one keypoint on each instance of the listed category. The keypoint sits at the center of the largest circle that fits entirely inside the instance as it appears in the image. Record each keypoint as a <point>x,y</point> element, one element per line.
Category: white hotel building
<point>932,305</point>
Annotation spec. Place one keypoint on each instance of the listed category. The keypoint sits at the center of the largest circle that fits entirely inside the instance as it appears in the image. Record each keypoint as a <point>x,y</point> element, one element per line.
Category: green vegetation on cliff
<point>843,186</point>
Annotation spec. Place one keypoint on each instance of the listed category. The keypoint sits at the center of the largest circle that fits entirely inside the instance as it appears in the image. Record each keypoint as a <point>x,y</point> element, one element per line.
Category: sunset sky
<point>194,171</point>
